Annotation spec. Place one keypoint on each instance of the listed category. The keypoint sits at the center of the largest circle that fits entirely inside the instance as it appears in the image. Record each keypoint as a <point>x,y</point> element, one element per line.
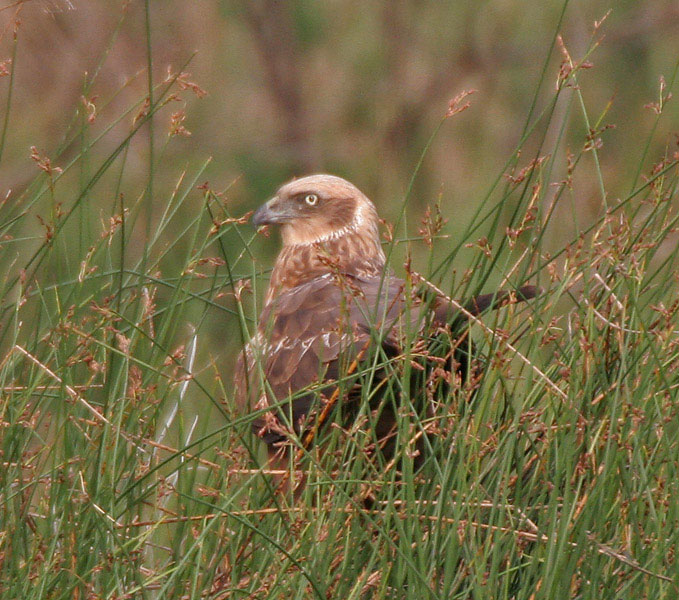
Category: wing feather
<point>308,333</point>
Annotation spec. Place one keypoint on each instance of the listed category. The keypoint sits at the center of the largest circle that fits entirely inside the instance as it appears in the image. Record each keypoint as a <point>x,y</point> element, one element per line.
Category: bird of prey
<point>331,304</point>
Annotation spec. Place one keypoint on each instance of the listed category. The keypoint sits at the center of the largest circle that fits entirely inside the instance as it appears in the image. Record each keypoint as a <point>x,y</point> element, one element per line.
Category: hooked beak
<point>271,213</point>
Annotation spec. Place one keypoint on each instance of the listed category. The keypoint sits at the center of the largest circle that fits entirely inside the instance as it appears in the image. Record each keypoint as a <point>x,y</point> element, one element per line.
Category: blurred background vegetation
<point>349,87</point>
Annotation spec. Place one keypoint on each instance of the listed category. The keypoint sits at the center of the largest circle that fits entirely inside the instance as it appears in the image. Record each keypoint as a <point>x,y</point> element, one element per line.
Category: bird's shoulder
<point>303,331</point>
<point>337,301</point>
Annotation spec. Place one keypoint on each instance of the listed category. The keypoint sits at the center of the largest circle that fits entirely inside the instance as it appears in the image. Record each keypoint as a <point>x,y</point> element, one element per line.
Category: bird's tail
<point>484,302</point>
<point>447,311</point>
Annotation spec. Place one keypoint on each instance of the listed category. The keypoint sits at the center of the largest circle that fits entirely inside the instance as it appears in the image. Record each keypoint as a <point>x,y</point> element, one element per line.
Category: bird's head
<point>318,208</point>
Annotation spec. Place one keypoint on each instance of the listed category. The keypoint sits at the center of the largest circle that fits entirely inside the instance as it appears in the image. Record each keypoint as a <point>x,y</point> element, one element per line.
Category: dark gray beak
<point>273,212</point>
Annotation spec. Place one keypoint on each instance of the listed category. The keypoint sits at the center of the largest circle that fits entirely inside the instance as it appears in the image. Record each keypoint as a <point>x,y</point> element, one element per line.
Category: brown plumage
<point>329,304</point>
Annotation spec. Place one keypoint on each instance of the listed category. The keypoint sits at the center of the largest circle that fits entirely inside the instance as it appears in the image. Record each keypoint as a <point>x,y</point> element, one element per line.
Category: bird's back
<point>312,333</point>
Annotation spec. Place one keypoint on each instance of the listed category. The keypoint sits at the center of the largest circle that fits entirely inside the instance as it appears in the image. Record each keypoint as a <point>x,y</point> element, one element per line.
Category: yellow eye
<point>311,199</point>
